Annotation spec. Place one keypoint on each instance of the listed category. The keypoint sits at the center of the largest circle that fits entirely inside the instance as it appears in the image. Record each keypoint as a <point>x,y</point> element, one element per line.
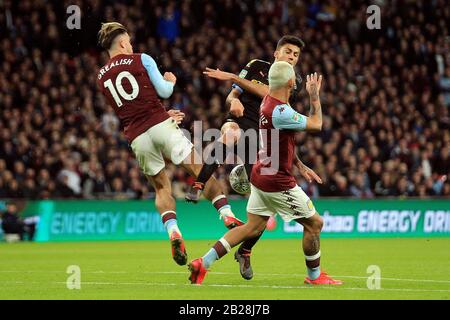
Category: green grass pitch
<point>410,269</point>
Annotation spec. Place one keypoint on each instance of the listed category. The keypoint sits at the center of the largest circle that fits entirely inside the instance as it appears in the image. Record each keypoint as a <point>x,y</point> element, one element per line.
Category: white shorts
<point>290,204</point>
<point>165,140</point>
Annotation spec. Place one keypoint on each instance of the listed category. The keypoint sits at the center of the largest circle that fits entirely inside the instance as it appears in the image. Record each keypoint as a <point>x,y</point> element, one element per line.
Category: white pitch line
<point>398,279</point>
<point>231,286</point>
<point>303,275</point>
<point>222,273</point>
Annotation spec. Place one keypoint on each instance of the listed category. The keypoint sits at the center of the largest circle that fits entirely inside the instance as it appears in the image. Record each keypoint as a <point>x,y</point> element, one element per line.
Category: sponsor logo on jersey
<point>243,73</point>
<point>257,81</point>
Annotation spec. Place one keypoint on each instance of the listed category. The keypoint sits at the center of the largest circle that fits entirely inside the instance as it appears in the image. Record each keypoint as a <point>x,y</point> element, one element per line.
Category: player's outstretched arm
<point>313,85</point>
<point>163,85</point>
<point>284,117</point>
<point>258,89</point>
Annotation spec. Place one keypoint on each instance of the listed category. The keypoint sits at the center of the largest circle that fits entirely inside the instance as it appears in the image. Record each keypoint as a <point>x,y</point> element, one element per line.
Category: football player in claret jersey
<point>244,100</point>
<point>275,190</point>
<point>133,85</point>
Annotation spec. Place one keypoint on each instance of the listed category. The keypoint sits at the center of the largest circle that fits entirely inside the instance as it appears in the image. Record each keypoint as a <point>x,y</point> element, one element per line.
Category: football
<point>239,180</point>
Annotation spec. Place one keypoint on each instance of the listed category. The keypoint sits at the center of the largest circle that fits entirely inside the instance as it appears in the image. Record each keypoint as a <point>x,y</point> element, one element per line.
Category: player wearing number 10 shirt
<point>133,85</point>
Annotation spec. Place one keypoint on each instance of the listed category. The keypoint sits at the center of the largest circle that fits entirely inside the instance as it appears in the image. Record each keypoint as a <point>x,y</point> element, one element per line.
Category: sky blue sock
<point>313,273</point>
<point>209,258</point>
<point>171,225</point>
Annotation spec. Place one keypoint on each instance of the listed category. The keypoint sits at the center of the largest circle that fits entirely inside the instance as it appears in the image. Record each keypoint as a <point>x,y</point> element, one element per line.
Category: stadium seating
<point>386,93</point>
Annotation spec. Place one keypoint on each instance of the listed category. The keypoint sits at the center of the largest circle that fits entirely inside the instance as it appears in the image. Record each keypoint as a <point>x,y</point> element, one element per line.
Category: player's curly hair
<point>108,32</point>
<point>288,39</point>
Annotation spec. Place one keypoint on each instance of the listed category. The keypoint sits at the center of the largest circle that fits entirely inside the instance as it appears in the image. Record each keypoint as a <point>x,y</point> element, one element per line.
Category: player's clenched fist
<point>313,84</point>
<point>236,108</point>
<point>169,76</point>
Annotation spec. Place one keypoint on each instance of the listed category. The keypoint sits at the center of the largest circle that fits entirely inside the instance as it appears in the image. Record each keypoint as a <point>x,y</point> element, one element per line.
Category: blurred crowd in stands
<point>385,97</point>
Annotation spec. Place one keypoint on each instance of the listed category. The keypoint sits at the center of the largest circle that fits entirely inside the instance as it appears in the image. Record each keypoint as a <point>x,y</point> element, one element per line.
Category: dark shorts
<point>243,122</point>
<point>248,145</point>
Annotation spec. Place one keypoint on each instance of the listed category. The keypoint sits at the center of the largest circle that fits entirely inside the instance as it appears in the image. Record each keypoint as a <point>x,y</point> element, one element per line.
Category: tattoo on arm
<point>315,109</point>
<point>314,100</point>
<point>299,162</point>
<point>314,95</point>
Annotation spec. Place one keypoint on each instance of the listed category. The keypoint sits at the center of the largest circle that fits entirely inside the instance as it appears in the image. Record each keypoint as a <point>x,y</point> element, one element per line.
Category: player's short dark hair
<point>288,39</point>
<point>108,32</point>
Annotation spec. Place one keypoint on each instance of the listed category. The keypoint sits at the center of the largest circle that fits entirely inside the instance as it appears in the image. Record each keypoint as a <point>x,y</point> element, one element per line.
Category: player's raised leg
<point>217,153</point>
<point>312,227</point>
<point>213,192</point>
<point>174,145</point>
<point>165,204</point>
<point>199,267</point>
